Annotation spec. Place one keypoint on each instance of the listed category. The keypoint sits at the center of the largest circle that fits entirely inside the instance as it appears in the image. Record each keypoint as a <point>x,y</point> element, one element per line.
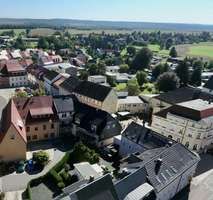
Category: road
<point>15,182</point>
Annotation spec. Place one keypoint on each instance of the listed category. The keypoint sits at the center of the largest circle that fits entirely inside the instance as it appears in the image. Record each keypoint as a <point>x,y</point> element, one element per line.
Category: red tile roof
<point>11,117</point>
<point>33,106</point>
<point>13,66</point>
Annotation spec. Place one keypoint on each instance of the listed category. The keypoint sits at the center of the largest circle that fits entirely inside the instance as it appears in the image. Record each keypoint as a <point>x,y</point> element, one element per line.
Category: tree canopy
<point>167,81</point>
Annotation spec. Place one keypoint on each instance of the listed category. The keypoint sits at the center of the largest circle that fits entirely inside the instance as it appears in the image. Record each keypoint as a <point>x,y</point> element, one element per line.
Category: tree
<point>196,76</point>
<point>169,43</point>
<point>142,59</point>
<point>124,68</point>
<point>182,72</point>
<point>133,87</point>
<point>41,158</point>
<point>167,81</point>
<point>21,94</point>
<point>159,69</point>
<point>20,44</point>
<point>131,50</point>
<point>173,52</point>
<point>111,81</point>
<point>141,77</point>
<point>210,65</point>
<point>84,75</point>
<point>43,43</point>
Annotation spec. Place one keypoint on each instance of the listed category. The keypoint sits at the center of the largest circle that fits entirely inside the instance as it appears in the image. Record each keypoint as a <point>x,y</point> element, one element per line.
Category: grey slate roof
<point>93,90</point>
<point>70,84</point>
<point>64,104</point>
<point>100,189</point>
<point>183,94</point>
<point>50,74</point>
<point>175,160</point>
<point>144,136</point>
<point>209,84</point>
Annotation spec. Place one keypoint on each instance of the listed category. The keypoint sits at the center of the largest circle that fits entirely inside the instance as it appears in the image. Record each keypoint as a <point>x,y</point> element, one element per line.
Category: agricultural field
<point>204,49</point>
<point>17,31</point>
<point>38,32</point>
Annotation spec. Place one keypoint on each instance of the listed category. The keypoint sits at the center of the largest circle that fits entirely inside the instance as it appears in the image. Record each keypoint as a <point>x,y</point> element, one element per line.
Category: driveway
<point>15,182</point>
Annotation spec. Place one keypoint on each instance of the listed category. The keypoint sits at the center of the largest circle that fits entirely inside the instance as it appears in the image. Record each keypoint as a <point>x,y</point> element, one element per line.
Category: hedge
<point>56,177</point>
<point>62,162</point>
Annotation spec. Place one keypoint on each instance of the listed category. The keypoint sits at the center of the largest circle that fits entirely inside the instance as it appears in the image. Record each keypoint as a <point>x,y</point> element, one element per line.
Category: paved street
<point>14,182</point>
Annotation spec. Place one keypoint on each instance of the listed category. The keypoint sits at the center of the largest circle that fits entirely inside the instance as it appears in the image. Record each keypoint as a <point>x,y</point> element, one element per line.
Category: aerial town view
<point>106,100</point>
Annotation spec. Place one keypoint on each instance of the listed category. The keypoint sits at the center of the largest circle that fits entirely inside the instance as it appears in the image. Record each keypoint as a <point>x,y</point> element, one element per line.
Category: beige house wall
<point>110,103</point>
<point>42,131</point>
<point>13,146</point>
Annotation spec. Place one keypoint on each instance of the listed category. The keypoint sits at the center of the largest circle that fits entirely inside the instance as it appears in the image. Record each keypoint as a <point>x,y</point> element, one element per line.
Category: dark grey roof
<point>64,104</point>
<point>93,90</point>
<point>70,84</point>
<point>50,74</point>
<point>100,189</point>
<point>144,136</point>
<point>174,160</point>
<point>209,84</point>
<point>183,94</point>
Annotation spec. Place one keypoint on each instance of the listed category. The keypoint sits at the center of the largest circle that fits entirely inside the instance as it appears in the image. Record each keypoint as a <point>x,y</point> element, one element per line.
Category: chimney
<point>158,164</point>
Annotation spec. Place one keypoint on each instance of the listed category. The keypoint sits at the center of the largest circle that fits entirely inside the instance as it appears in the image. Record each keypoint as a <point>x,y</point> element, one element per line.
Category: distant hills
<point>86,24</point>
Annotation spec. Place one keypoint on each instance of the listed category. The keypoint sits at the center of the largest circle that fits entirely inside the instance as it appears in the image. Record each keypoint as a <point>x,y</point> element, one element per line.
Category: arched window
<point>169,136</point>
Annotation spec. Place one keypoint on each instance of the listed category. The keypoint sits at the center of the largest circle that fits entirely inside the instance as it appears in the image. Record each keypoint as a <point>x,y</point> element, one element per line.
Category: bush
<point>66,167</point>
<point>65,175</point>
<point>61,185</point>
<point>41,157</point>
<point>29,193</point>
<point>58,167</point>
<point>56,177</point>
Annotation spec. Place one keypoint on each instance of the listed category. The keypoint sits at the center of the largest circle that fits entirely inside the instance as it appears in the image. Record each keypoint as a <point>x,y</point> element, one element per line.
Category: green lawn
<point>204,49</point>
<point>156,49</point>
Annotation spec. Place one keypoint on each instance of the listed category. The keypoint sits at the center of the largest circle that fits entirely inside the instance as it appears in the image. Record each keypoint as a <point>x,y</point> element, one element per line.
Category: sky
<point>174,11</point>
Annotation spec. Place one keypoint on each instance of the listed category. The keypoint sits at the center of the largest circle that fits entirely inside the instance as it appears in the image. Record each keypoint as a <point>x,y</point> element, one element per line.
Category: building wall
<point>110,103</point>
<point>98,80</point>
<point>18,80</point>
<point>196,135</point>
<point>42,131</point>
<point>128,147</point>
<point>158,105</point>
<point>207,90</point>
<point>133,108</point>
<point>12,149</point>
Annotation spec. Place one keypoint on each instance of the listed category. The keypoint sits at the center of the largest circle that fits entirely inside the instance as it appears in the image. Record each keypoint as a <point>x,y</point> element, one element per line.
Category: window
<point>52,135</point>
<point>178,139</point>
<point>46,136</point>
<point>28,138</point>
<point>187,144</point>
<point>35,137</point>
<point>36,128</point>
<point>28,129</point>
<point>64,115</point>
<point>12,137</point>
<point>169,136</point>
<point>52,126</point>
<point>195,147</point>
<point>44,127</point>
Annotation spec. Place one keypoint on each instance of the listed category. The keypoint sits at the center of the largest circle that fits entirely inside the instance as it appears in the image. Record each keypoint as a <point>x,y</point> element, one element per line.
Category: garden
<point>52,183</point>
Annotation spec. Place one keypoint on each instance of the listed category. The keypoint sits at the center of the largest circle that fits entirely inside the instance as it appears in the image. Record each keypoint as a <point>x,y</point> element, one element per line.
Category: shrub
<point>65,175</point>
<point>66,167</point>
<point>61,185</point>
<point>41,157</point>
<point>56,177</point>
<point>58,167</point>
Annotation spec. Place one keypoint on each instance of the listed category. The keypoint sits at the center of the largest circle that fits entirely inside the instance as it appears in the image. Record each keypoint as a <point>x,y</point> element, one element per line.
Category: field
<point>204,50</point>
<point>17,31</point>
